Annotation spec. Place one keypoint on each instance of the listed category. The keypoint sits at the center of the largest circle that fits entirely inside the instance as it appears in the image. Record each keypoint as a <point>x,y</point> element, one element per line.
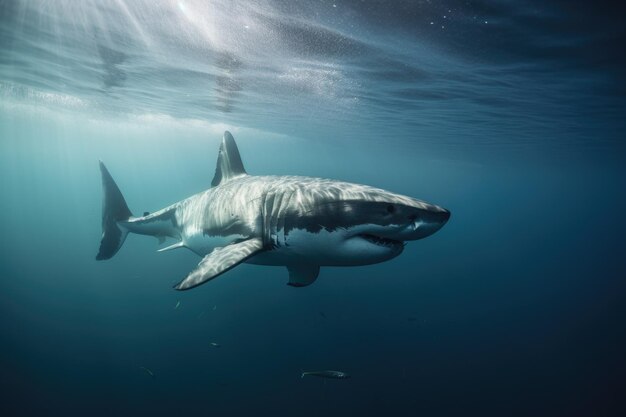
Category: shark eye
<point>391,208</point>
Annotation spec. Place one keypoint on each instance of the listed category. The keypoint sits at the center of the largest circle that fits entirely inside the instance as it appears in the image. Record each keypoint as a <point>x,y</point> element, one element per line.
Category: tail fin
<point>114,209</point>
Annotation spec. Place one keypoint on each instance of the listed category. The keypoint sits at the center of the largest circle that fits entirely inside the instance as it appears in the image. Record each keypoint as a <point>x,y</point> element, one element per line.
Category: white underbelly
<point>298,247</point>
<point>202,244</point>
<point>324,248</point>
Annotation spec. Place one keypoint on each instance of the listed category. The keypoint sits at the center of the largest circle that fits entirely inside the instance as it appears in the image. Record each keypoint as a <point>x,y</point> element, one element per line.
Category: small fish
<point>177,305</point>
<point>326,374</point>
<point>322,314</point>
<point>214,308</point>
<point>148,371</point>
<point>216,345</point>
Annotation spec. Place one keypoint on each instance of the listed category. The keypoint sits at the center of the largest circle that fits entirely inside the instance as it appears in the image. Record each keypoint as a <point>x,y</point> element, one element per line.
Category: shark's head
<point>394,222</point>
<point>369,225</point>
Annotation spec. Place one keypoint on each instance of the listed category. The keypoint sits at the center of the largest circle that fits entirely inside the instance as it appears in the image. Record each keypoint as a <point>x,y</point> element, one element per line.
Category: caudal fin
<point>114,209</point>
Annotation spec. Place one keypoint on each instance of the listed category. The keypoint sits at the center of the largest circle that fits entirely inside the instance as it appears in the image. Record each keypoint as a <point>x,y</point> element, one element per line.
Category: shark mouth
<point>381,241</point>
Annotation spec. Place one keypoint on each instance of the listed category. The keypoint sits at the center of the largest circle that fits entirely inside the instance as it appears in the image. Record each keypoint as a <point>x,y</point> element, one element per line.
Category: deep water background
<point>510,114</point>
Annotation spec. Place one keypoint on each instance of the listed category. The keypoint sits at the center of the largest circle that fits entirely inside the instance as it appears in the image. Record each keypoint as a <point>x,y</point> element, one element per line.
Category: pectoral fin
<point>220,261</point>
<point>302,275</point>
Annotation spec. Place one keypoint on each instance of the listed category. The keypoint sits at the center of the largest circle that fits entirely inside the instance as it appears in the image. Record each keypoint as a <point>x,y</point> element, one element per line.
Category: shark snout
<point>439,217</point>
<point>424,223</point>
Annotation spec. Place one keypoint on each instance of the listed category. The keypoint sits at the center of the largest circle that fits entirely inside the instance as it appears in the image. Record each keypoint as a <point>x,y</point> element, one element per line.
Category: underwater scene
<point>312,208</point>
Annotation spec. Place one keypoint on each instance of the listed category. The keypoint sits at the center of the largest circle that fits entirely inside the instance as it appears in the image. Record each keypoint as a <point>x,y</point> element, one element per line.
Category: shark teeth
<point>380,241</point>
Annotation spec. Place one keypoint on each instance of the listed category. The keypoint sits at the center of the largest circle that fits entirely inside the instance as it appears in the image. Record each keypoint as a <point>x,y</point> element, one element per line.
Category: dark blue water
<point>510,114</point>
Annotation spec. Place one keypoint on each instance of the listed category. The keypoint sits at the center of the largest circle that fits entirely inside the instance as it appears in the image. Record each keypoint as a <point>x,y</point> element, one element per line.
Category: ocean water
<point>511,114</point>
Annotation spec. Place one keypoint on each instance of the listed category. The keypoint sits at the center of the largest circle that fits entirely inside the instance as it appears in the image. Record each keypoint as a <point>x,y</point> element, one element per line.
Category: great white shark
<point>301,223</point>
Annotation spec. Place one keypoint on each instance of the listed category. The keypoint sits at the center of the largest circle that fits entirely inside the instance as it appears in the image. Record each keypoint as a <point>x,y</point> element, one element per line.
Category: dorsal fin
<point>229,163</point>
